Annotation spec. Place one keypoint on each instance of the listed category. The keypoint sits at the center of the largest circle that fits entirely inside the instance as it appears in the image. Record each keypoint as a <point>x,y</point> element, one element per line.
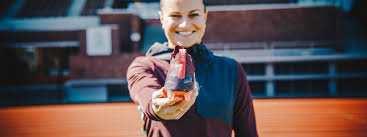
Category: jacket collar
<point>200,54</point>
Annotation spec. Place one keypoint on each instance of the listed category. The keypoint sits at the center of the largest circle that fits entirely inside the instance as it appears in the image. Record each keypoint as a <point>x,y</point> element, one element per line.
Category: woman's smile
<point>185,33</point>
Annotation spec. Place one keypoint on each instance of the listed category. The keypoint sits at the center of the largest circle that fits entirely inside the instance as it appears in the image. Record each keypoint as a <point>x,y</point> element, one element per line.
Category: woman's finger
<point>190,103</point>
<point>159,94</point>
<point>163,102</point>
<point>179,104</point>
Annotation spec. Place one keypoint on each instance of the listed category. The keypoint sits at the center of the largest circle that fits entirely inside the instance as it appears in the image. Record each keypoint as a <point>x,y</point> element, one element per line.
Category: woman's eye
<point>193,15</point>
<point>175,16</point>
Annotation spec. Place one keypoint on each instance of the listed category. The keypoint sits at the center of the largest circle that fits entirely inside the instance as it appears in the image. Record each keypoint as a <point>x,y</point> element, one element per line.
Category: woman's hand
<point>170,107</point>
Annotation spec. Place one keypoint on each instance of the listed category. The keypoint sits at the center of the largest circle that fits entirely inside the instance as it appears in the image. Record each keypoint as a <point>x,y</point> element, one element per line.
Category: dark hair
<point>204,3</point>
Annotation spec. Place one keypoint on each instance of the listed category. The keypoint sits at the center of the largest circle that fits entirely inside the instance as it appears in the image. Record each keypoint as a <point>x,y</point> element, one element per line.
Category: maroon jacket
<point>208,117</point>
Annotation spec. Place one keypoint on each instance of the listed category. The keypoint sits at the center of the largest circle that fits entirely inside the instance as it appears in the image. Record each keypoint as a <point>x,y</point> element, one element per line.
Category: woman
<point>223,99</point>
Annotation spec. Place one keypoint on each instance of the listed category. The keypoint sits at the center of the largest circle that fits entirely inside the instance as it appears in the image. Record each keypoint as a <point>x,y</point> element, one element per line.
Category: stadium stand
<point>91,7</point>
<point>5,6</point>
<point>285,49</point>
<point>119,4</point>
<point>44,8</point>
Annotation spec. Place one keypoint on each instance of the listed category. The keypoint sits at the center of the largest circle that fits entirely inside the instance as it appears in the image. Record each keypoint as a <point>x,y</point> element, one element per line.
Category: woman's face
<point>183,21</point>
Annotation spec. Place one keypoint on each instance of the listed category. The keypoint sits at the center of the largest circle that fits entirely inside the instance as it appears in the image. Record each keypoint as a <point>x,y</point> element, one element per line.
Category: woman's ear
<point>161,17</point>
<point>206,15</point>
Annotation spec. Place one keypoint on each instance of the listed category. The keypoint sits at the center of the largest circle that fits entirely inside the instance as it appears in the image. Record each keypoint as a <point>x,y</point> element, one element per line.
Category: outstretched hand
<point>169,106</point>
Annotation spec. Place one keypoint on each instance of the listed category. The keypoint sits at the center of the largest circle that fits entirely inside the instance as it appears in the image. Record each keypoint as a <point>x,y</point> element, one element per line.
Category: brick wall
<point>268,23</point>
<point>128,23</point>
<point>83,66</point>
<point>124,50</point>
<point>286,23</point>
<point>123,21</point>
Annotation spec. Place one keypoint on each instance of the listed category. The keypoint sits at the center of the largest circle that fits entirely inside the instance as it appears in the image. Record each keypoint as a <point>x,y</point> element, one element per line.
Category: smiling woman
<point>183,21</point>
<point>223,101</point>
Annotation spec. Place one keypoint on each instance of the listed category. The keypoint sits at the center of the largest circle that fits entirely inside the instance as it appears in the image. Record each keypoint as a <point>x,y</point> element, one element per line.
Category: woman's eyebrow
<point>194,10</point>
<point>174,12</point>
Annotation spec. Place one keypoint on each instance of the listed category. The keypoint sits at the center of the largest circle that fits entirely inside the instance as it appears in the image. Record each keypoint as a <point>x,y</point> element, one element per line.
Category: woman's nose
<point>184,24</point>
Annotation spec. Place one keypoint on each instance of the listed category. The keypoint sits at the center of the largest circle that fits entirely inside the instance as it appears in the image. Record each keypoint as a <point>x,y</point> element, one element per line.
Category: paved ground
<point>275,118</point>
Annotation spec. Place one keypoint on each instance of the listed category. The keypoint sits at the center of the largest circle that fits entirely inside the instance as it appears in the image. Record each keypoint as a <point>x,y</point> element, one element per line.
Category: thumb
<point>159,93</point>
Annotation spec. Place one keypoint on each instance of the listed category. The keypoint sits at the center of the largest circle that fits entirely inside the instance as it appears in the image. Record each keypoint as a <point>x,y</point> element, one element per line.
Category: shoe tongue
<point>177,49</point>
<point>182,62</point>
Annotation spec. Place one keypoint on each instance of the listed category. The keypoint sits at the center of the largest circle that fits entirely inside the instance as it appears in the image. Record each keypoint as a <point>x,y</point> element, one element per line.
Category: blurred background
<point>64,56</point>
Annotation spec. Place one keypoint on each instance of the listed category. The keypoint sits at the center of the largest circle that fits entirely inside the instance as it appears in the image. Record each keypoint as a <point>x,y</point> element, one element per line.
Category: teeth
<point>185,33</point>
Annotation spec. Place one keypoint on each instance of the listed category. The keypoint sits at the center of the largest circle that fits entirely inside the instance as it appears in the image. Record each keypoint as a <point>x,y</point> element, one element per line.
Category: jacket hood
<point>159,50</point>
